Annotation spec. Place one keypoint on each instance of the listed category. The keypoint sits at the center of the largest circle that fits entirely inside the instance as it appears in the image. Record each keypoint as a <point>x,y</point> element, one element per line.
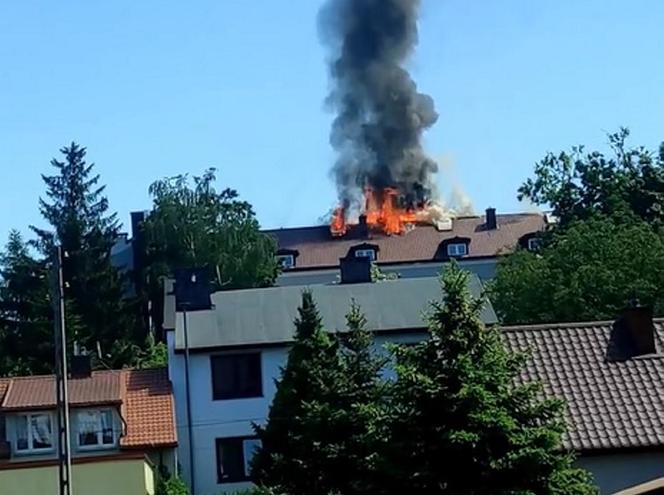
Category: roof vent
<point>355,270</point>
<point>490,219</point>
<point>633,334</point>
<point>444,225</point>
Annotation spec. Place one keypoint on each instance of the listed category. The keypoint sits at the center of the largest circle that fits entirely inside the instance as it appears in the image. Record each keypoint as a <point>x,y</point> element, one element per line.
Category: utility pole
<point>61,392</point>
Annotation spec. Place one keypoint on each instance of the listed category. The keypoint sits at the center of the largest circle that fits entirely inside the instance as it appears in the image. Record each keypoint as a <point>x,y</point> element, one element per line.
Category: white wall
<point>227,418</point>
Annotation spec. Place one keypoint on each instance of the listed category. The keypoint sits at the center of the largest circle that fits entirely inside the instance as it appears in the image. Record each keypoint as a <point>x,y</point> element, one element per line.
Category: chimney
<point>81,366</point>
<point>633,334</point>
<point>355,270</point>
<point>490,222</point>
<point>192,289</point>
<point>362,227</point>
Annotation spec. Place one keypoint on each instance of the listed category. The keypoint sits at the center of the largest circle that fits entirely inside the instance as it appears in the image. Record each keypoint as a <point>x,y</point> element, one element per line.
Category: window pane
<point>230,460</point>
<point>107,437</point>
<point>22,433</point>
<point>40,430</point>
<point>236,376</point>
<point>88,426</point>
<point>250,448</point>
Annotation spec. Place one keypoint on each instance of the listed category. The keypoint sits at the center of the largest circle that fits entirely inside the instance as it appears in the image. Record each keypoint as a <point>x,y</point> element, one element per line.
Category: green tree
<point>587,272</point>
<point>292,458</point>
<point>332,442</point>
<point>26,331</point>
<point>194,225</point>
<point>77,211</point>
<point>627,185</point>
<point>461,423</point>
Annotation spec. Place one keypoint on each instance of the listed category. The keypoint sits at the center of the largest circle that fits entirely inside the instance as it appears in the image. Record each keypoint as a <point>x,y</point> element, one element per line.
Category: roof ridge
<point>560,325</point>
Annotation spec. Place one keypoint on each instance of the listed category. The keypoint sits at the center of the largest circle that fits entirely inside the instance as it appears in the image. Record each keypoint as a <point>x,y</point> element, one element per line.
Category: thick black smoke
<point>377,132</point>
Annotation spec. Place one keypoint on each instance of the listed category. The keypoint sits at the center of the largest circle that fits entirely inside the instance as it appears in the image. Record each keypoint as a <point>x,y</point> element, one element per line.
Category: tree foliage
<point>192,225</point>
<point>461,423</point>
<point>26,331</point>
<point>292,457</point>
<point>196,226</point>
<point>627,185</point>
<point>78,215</point>
<point>589,271</point>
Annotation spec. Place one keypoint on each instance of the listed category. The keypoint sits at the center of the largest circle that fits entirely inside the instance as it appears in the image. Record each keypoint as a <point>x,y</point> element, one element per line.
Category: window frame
<point>257,393</point>
<point>31,450</point>
<point>454,246</point>
<point>281,258</point>
<point>100,445</point>
<point>533,244</point>
<point>366,253</point>
<point>244,462</point>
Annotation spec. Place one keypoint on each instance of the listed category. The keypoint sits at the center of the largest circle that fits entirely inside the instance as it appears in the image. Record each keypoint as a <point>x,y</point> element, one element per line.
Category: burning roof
<point>382,170</point>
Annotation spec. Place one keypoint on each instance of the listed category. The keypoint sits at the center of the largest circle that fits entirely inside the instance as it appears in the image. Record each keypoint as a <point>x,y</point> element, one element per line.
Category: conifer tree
<point>26,331</point>
<point>78,214</point>
<point>461,423</point>
<point>290,459</point>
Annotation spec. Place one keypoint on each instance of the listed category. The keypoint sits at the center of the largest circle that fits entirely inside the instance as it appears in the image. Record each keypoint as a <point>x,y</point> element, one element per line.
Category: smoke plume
<point>380,115</point>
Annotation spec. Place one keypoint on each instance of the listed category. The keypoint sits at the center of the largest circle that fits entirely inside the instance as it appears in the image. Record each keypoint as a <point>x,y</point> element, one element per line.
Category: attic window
<point>457,249</point>
<point>366,253</point>
<point>533,244</point>
<point>286,261</point>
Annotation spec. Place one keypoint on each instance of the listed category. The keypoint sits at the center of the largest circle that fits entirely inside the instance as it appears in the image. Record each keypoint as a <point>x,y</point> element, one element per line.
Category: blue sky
<point>157,88</point>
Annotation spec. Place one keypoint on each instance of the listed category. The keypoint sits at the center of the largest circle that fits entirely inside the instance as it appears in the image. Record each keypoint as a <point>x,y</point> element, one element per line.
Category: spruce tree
<point>78,214</point>
<point>26,331</point>
<point>291,459</point>
<point>461,423</point>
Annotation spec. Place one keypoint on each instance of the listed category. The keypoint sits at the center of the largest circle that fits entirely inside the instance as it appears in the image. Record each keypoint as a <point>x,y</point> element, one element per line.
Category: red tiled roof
<point>145,398</point>
<point>148,409</point>
<point>317,248</point>
<point>609,404</point>
<point>38,392</point>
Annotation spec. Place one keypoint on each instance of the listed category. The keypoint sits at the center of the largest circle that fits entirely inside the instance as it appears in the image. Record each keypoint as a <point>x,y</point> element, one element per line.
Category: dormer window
<point>366,253</point>
<point>34,433</point>
<point>94,429</point>
<point>286,261</point>
<point>533,244</point>
<point>364,250</point>
<point>457,249</point>
<point>287,258</point>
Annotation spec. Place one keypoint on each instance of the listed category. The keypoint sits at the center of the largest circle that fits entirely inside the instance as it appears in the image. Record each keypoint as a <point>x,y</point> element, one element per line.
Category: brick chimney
<point>633,334</point>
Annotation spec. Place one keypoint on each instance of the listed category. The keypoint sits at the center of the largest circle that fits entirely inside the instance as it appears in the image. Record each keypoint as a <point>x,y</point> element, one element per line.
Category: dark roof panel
<point>611,405</point>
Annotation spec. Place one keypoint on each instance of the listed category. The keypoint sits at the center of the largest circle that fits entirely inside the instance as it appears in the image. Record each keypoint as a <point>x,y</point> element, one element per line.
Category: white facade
<point>218,419</point>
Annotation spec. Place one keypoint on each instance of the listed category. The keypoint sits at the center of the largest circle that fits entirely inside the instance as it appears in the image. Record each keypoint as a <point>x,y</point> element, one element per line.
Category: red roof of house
<point>317,248</point>
<point>145,398</point>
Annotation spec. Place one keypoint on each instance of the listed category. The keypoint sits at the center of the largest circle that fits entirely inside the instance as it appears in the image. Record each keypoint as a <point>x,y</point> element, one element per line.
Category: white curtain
<point>40,426</point>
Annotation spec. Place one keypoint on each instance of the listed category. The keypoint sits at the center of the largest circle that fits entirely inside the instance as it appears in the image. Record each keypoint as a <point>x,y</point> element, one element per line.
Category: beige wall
<point>108,477</point>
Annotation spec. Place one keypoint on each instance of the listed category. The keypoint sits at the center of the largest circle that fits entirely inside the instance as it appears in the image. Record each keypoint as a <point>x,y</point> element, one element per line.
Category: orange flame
<point>382,213</point>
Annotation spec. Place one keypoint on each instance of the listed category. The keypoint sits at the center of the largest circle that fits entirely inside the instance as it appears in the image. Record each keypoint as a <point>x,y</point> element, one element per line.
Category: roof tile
<point>610,404</point>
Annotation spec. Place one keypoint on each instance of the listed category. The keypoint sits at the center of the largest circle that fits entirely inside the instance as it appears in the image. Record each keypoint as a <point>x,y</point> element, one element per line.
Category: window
<point>286,261</point>
<point>234,457</point>
<point>236,376</point>
<point>34,433</point>
<point>366,253</point>
<point>457,249</point>
<point>94,429</point>
<point>533,244</point>
<point>3,430</point>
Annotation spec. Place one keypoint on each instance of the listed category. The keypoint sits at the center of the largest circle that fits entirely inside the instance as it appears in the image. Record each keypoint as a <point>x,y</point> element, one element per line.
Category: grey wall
<point>484,269</point>
<point>617,472</point>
